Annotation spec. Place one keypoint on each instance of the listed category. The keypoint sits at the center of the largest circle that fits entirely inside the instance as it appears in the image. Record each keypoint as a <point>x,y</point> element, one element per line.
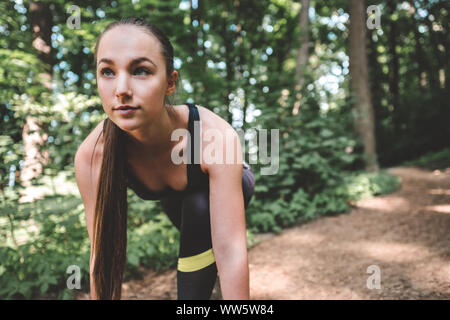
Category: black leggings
<point>197,270</point>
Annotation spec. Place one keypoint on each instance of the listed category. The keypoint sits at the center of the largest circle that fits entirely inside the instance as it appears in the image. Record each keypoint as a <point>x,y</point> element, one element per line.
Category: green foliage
<point>432,160</point>
<point>236,57</point>
<point>278,213</point>
<point>19,72</point>
<point>153,245</point>
<point>51,235</point>
<point>363,185</point>
<point>11,154</point>
<point>152,239</point>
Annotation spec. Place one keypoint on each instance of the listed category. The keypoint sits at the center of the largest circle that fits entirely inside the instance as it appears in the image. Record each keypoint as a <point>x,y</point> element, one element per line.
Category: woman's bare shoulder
<point>212,120</point>
<point>209,119</point>
<point>218,125</point>
<point>93,142</point>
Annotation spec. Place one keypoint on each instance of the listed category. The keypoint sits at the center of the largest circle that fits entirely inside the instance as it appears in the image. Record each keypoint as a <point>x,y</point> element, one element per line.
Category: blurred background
<point>354,88</point>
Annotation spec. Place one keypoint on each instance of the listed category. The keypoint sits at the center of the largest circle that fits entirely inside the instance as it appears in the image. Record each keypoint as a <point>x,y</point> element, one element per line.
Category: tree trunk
<point>376,74</point>
<point>242,62</point>
<point>228,44</point>
<point>364,117</point>
<point>437,59</point>
<point>394,67</point>
<point>303,51</point>
<point>419,52</point>
<point>41,23</point>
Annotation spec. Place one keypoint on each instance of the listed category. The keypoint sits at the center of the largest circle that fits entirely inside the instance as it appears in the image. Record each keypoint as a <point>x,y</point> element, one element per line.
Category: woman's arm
<point>87,181</point>
<point>228,229</point>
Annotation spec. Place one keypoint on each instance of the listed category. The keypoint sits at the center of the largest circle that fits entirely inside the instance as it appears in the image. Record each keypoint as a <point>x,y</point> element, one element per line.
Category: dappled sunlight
<point>442,208</point>
<point>439,192</point>
<point>387,251</point>
<point>307,238</point>
<point>61,184</point>
<point>441,172</point>
<point>388,204</point>
<point>304,285</point>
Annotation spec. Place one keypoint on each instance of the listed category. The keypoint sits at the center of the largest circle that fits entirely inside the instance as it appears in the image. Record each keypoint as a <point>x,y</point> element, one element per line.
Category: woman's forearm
<point>234,274</point>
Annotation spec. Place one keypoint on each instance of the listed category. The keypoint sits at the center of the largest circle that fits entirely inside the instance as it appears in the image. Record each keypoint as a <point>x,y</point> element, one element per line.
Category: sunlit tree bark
<point>364,116</point>
<point>41,23</point>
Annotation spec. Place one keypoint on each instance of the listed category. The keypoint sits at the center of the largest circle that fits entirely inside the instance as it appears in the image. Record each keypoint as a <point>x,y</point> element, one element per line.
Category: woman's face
<point>131,71</point>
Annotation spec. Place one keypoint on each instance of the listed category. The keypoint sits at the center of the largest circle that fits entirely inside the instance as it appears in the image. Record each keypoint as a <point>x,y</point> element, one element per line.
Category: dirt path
<point>405,234</point>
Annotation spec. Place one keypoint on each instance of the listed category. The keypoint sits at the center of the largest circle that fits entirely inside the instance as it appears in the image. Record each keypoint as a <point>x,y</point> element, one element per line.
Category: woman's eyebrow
<point>141,59</point>
<point>132,63</point>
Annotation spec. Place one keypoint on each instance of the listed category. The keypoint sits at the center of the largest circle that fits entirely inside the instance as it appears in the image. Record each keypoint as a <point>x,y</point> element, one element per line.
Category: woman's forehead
<point>123,43</point>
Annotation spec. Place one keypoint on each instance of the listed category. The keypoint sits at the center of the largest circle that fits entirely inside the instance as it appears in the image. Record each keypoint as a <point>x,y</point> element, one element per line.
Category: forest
<point>353,87</point>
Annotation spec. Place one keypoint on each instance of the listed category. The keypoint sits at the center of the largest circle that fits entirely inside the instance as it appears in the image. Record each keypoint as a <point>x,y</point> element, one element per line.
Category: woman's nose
<point>123,87</point>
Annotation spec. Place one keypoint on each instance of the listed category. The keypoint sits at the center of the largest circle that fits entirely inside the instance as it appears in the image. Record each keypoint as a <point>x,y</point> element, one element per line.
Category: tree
<point>303,51</point>
<point>41,23</point>
<point>364,117</point>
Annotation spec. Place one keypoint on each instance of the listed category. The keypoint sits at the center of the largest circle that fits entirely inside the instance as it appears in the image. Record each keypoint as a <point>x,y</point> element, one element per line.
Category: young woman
<point>132,147</point>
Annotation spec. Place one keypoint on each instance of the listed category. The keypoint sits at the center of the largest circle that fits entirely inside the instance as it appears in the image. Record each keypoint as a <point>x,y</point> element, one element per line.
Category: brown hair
<point>110,218</point>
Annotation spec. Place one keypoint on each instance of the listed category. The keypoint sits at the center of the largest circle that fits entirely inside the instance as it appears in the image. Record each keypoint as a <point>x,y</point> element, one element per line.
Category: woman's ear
<point>171,84</point>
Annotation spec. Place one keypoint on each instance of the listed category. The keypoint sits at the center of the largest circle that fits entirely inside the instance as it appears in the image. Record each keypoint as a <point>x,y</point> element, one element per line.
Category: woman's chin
<point>127,124</point>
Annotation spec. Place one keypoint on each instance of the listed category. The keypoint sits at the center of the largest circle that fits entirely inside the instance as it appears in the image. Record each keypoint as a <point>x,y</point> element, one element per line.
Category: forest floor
<point>405,235</point>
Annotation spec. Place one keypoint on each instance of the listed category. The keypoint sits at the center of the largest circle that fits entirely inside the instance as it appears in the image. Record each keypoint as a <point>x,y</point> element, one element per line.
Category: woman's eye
<point>142,69</point>
<point>106,70</point>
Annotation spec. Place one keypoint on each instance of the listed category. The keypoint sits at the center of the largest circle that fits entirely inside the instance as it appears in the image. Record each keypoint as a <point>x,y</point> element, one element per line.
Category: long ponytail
<point>110,221</point>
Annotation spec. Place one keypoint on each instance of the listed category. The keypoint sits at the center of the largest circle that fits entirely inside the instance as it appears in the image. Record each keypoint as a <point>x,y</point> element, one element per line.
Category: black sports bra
<point>195,176</point>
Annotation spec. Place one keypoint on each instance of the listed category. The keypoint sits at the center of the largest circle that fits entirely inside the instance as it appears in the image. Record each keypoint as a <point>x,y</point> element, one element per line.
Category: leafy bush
<point>363,185</point>
<point>432,161</point>
<point>55,239</point>
<point>273,216</point>
<point>38,264</point>
<point>153,245</point>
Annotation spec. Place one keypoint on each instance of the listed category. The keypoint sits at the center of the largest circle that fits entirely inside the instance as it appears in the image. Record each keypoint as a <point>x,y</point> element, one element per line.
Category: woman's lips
<point>126,110</point>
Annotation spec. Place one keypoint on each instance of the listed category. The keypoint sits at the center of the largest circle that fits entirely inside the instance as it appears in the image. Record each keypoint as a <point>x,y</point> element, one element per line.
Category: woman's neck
<point>154,140</point>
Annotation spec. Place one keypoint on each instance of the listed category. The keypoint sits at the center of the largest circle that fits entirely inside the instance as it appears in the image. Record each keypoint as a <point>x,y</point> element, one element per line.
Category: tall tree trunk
<point>303,51</point>
<point>242,62</point>
<point>421,60</point>
<point>428,74</point>
<point>437,58</point>
<point>419,52</point>
<point>364,117</point>
<point>41,23</point>
<point>376,74</point>
<point>194,15</point>
<point>394,66</point>
<point>446,23</point>
<point>228,44</point>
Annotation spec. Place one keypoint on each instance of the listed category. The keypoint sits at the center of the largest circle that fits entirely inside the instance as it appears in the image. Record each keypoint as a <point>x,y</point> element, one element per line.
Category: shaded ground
<point>406,234</point>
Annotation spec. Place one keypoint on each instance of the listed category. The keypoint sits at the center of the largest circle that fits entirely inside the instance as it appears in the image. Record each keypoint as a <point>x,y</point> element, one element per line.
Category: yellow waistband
<point>196,262</point>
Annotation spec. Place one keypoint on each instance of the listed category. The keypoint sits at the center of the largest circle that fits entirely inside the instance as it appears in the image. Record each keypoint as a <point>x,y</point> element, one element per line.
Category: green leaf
<point>44,288</point>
